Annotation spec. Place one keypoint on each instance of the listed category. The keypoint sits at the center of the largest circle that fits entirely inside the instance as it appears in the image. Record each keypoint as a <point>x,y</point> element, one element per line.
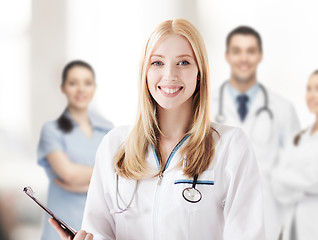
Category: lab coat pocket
<point>204,187</point>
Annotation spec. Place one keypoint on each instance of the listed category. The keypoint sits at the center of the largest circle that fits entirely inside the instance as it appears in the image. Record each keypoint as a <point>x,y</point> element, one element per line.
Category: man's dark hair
<point>244,30</point>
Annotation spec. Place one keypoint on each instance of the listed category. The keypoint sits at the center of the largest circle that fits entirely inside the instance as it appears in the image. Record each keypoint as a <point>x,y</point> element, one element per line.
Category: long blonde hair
<point>130,161</point>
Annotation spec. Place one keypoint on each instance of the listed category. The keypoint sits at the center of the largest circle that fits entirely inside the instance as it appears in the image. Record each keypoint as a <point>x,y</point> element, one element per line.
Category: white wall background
<point>38,37</point>
<point>111,37</point>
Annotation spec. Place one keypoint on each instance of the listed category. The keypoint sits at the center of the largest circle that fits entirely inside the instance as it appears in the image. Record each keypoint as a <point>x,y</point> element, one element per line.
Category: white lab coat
<point>295,183</point>
<point>267,137</point>
<point>231,209</point>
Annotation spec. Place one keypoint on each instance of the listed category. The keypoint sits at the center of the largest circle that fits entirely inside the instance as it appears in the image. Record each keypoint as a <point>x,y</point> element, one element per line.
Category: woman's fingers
<point>63,234</point>
<point>82,235</point>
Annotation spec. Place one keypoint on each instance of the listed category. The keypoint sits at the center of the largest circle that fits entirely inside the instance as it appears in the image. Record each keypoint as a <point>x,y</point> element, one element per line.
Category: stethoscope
<point>128,206</point>
<point>190,194</point>
<point>221,117</point>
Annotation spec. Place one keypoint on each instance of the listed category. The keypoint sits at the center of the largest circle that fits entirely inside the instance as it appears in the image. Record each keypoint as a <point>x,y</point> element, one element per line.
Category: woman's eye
<point>89,83</point>
<point>157,63</point>
<point>183,63</point>
<point>71,83</point>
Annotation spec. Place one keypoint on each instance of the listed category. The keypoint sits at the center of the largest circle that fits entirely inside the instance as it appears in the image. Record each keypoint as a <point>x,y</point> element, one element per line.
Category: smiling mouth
<point>170,90</point>
<point>80,98</point>
<point>243,67</point>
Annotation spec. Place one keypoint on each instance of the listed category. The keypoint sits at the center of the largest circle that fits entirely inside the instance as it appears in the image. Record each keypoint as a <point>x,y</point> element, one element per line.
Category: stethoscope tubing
<point>221,118</point>
<point>122,210</point>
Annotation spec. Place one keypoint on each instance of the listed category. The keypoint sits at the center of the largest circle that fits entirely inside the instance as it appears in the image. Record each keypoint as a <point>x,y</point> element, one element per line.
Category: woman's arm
<point>74,177</point>
<point>51,154</point>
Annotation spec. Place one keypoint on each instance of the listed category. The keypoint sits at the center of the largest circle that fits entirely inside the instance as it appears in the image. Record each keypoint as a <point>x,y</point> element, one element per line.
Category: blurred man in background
<point>268,119</point>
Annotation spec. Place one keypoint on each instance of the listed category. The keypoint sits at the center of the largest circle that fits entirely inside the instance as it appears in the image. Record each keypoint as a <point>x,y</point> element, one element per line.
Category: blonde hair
<point>130,161</point>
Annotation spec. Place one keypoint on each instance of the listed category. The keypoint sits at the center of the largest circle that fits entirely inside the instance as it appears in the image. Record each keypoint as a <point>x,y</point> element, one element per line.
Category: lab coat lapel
<point>260,128</point>
<point>256,104</point>
<point>229,110</point>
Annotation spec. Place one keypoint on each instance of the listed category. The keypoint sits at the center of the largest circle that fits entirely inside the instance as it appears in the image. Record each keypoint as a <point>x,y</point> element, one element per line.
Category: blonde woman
<point>295,180</point>
<point>174,174</point>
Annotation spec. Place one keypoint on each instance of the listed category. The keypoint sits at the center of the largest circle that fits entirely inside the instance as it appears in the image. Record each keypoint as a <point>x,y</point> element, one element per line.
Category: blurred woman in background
<point>68,145</point>
<point>296,178</point>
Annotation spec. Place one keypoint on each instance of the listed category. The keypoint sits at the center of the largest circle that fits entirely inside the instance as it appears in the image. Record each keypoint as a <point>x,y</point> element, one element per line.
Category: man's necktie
<point>242,108</point>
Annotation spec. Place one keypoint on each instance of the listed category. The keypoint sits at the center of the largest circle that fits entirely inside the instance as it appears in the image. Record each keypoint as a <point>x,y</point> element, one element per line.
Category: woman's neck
<point>80,116</point>
<point>174,123</point>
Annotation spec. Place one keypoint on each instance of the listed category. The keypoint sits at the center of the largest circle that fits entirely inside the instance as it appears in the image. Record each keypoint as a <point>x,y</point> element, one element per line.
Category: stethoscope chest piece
<point>191,194</point>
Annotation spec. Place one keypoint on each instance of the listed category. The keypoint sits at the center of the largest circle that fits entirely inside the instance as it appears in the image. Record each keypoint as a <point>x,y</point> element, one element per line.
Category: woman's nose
<point>81,87</point>
<point>171,73</point>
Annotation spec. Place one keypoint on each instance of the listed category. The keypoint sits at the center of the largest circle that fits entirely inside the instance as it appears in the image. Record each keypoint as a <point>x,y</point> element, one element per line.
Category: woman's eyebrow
<point>179,56</point>
<point>185,55</point>
<point>157,55</point>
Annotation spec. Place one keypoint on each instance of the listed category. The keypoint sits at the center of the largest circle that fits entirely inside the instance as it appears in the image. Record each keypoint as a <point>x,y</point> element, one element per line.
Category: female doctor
<point>174,174</point>
<point>295,180</point>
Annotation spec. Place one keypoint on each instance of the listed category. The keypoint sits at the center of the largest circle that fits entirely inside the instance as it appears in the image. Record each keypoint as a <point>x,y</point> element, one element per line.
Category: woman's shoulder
<point>227,132</point>
<point>51,127</point>
<point>230,139</point>
<point>100,122</point>
<point>232,146</point>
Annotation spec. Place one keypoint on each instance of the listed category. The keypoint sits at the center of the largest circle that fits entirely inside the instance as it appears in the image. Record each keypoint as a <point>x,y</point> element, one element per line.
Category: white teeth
<point>170,90</point>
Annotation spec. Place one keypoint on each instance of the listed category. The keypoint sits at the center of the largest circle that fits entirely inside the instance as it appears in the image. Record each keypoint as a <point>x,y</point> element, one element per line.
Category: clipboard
<point>28,191</point>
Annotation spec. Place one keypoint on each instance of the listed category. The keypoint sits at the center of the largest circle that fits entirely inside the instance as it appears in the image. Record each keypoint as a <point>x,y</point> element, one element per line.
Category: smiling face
<point>173,72</point>
<point>79,87</point>
<point>243,55</point>
<point>312,94</point>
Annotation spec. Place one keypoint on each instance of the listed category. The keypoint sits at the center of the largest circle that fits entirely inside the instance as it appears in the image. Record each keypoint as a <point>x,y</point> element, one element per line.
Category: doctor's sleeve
<point>97,218</point>
<point>243,209</point>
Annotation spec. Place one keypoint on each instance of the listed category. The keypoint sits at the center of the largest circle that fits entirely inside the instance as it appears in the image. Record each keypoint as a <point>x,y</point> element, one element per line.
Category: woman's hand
<point>80,235</point>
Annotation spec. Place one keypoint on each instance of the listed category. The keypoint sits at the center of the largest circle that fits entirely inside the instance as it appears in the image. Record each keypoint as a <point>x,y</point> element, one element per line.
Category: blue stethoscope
<point>221,118</point>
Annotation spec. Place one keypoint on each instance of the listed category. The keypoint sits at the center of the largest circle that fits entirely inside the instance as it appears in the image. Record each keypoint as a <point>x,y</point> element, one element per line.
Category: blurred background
<point>38,37</point>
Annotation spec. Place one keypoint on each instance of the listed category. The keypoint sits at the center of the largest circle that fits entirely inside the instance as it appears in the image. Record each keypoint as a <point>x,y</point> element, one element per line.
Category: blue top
<point>251,93</point>
<point>80,149</point>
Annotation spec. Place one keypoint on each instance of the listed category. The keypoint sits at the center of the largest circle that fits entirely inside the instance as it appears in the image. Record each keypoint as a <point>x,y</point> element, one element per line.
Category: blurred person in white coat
<point>268,119</point>
<point>174,174</point>
<point>295,180</point>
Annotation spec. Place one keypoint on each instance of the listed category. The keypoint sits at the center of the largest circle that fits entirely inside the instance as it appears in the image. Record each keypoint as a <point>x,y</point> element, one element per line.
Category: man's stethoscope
<point>221,117</point>
<point>190,194</point>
